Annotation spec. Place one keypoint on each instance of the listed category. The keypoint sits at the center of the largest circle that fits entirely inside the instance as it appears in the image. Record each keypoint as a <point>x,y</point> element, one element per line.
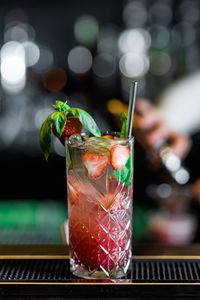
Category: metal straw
<point>131,108</point>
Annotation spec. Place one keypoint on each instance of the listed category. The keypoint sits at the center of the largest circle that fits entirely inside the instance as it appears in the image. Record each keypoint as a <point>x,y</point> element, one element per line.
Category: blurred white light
<point>12,48</point>
<point>164,190</point>
<point>133,66</point>
<point>171,161</point>
<point>32,53</point>
<point>181,176</point>
<point>45,61</point>
<point>104,65</point>
<point>13,88</point>
<point>19,32</point>
<point>134,40</point>
<point>180,104</point>
<point>13,69</point>
<point>79,60</point>
<point>16,33</point>
<point>134,14</point>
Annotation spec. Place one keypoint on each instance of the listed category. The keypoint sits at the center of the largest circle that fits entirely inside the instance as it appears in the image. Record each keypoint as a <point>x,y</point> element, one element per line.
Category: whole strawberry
<point>64,122</point>
<point>72,126</point>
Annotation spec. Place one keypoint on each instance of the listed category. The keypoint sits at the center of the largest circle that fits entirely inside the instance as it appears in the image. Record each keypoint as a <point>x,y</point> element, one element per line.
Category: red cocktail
<point>99,185</point>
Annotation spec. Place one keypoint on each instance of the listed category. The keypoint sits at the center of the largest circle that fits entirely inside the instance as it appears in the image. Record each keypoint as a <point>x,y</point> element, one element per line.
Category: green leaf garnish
<point>61,106</point>
<point>123,117</point>
<point>45,137</point>
<point>126,174</point>
<point>58,120</point>
<point>86,120</point>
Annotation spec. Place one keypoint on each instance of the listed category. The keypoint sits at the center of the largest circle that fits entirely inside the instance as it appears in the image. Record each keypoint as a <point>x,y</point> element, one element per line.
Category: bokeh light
<point>45,61</point>
<point>16,33</point>
<point>133,65</point>
<point>171,161</point>
<point>164,190</point>
<point>183,34</point>
<point>134,40</point>
<point>108,40</point>
<point>160,12</point>
<point>79,60</point>
<point>116,107</point>
<point>160,36</point>
<point>182,176</point>
<point>104,66</point>
<point>135,14</point>
<point>12,48</point>
<point>13,68</point>
<point>54,79</point>
<point>86,30</point>
<point>32,53</point>
<point>188,11</point>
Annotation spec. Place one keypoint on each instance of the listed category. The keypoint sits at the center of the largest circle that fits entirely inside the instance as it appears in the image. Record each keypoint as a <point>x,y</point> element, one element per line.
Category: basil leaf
<point>86,120</point>
<point>125,175</point>
<point>61,106</point>
<point>45,137</point>
<point>59,120</point>
<point>123,117</point>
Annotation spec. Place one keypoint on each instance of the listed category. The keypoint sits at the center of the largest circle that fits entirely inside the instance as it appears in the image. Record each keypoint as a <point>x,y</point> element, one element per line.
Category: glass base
<point>82,272</point>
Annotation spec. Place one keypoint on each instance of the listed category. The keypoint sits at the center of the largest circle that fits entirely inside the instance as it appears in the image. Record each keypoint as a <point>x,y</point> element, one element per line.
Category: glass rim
<point>73,141</point>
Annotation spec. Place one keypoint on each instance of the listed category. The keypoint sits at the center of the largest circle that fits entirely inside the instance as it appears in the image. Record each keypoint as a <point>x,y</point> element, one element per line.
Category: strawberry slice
<point>95,164</point>
<point>118,156</point>
<point>73,126</point>
<point>107,136</point>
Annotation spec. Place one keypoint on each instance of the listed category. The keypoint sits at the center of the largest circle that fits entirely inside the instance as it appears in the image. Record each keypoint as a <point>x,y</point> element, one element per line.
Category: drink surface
<point>100,220</point>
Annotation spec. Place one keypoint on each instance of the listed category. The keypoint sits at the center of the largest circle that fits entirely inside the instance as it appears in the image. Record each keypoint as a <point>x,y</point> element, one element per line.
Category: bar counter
<point>42,272</point>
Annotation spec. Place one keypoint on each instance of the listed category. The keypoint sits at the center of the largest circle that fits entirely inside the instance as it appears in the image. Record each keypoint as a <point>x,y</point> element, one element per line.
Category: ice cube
<point>83,187</point>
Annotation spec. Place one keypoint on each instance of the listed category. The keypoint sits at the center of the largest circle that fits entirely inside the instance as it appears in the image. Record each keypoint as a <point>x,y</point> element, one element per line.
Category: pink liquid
<point>100,225</point>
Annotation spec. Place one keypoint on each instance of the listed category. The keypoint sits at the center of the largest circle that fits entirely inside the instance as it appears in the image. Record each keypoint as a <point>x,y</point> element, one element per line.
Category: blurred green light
<point>86,30</point>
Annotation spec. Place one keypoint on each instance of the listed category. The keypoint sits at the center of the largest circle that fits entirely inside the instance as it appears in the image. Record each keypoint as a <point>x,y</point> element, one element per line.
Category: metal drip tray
<point>57,270</point>
<point>41,274</point>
